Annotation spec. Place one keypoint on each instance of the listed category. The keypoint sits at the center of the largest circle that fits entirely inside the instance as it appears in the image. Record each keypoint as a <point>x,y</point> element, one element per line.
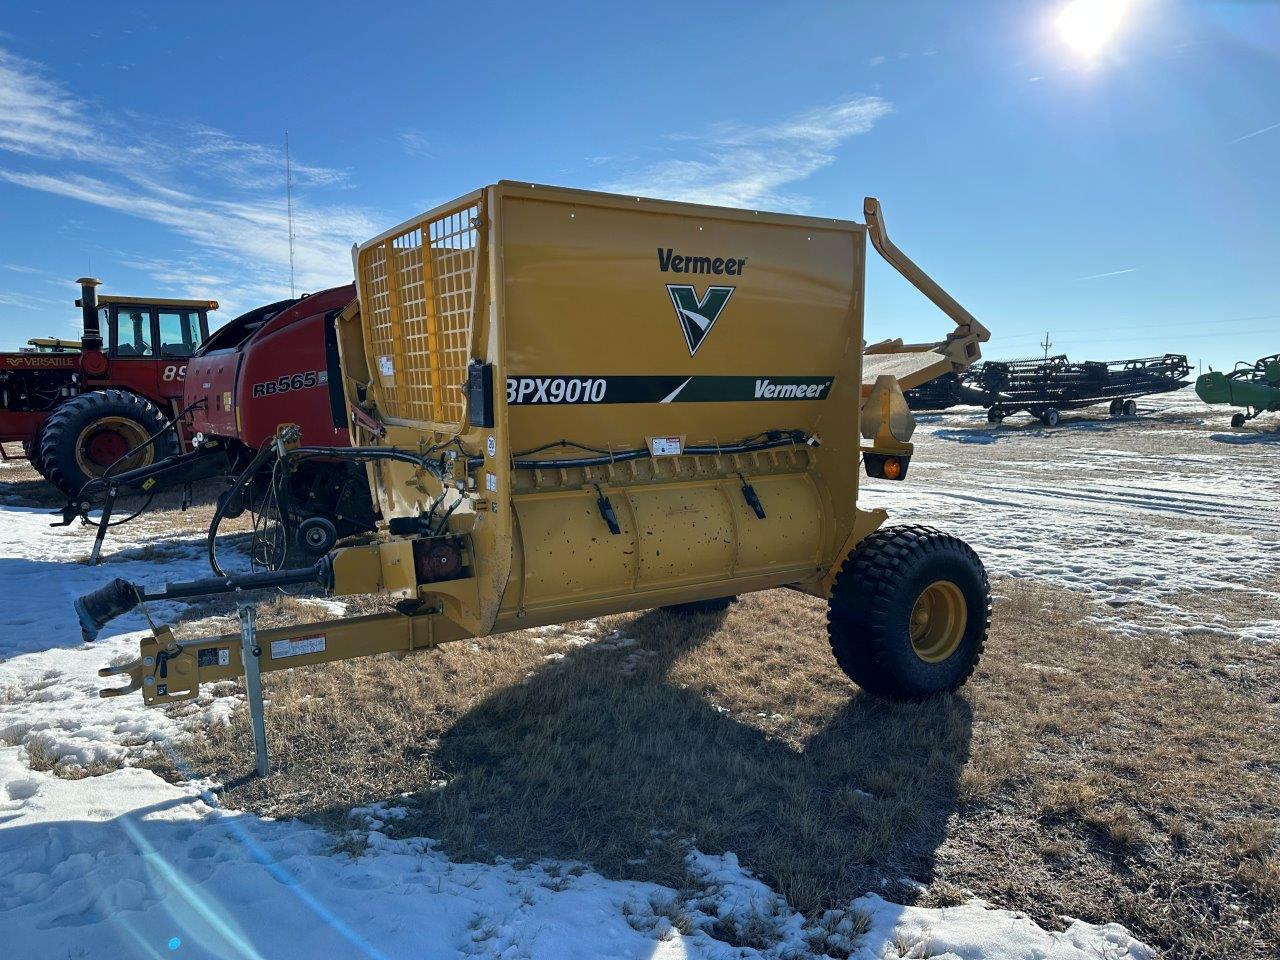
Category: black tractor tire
<point>1129,408</point>
<point>1238,419</point>
<point>86,434</point>
<point>881,613</point>
<point>1117,406</point>
<point>698,608</point>
<point>33,452</point>
<point>1050,416</point>
<point>995,415</point>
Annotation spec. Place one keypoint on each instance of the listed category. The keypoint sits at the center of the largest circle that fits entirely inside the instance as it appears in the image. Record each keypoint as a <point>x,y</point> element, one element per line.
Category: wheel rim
<point>104,441</point>
<point>938,621</point>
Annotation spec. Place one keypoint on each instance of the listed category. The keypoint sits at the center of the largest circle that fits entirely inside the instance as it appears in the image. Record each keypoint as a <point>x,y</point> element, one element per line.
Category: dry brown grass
<point>42,759</point>
<point>1081,772</point>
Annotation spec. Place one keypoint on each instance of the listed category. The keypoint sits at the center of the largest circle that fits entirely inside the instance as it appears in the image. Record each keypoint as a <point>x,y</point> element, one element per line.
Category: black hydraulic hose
<point>561,443</point>
<point>106,474</point>
<point>169,425</point>
<point>80,497</point>
<point>146,504</point>
<point>790,438</point>
<point>260,458</point>
<point>367,453</point>
<point>444,518</point>
<point>247,474</point>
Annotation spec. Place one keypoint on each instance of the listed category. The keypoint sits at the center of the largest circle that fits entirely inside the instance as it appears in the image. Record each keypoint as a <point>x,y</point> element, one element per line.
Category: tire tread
<point>861,604</point>
<point>63,426</point>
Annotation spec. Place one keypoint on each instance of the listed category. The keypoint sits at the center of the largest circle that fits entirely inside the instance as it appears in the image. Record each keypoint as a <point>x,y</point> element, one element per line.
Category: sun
<point>1087,26</point>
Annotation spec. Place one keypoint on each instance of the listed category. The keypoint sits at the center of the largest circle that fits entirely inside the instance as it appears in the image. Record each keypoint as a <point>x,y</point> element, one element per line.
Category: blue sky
<point>1127,202</point>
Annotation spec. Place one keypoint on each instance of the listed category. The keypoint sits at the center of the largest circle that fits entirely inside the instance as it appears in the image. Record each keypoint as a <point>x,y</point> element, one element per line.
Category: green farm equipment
<point>1256,388</point>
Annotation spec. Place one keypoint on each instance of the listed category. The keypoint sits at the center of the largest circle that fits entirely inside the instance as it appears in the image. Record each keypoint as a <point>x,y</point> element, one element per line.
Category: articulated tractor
<point>82,407</point>
<point>570,404</point>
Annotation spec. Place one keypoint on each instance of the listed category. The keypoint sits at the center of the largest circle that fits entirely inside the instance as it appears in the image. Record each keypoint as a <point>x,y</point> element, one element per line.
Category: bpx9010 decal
<point>529,391</point>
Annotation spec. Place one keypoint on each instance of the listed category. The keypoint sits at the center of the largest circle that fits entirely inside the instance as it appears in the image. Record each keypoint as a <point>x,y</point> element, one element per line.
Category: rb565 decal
<point>293,381</point>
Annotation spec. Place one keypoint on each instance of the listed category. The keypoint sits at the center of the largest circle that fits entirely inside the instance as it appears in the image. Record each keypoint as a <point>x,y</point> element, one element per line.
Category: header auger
<point>554,427</point>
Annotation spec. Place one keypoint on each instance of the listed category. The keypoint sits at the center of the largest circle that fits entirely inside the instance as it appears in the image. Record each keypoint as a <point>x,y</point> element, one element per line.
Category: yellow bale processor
<point>573,404</point>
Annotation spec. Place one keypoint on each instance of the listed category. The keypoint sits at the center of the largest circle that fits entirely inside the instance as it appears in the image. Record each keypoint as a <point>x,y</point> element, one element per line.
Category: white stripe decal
<point>672,395</point>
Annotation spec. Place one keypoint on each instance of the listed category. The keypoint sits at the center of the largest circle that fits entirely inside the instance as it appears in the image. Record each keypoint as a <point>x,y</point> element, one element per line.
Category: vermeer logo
<point>670,261</point>
<point>697,316</point>
<point>767,390</point>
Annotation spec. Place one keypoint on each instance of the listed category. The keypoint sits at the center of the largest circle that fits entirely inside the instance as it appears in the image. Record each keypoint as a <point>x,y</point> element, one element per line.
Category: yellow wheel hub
<point>107,439</point>
<point>937,621</point>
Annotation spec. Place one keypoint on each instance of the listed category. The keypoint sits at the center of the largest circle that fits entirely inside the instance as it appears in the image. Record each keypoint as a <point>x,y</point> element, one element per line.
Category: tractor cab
<point>153,329</point>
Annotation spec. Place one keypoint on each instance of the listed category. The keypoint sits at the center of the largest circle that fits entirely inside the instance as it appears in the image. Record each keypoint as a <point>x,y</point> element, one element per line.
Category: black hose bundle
<point>276,499</point>
<point>82,496</point>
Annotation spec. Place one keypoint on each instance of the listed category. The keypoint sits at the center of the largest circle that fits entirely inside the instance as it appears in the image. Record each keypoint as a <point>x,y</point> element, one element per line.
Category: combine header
<point>1256,388</point>
<point>1046,387</point>
<point>574,404</point>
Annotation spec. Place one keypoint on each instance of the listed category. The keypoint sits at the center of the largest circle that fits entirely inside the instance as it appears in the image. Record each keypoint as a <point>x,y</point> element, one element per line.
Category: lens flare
<point>1087,26</point>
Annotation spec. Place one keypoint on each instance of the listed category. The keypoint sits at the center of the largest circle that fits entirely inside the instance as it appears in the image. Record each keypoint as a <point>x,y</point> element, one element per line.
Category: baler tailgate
<point>417,289</point>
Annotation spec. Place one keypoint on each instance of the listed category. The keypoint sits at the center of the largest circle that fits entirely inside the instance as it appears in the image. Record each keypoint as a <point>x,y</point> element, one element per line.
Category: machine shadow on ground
<point>22,486</point>
<point>619,759</point>
<point>29,492</point>
<point>1244,439</point>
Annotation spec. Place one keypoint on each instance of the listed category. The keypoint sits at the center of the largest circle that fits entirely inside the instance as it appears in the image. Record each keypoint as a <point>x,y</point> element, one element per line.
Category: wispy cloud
<point>1109,273</point>
<point>248,234</point>
<point>416,144</point>
<point>751,166</point>
<point>37,118</point>
<point>1257,133</point>
<point>24,301</point>
<point>222,194</point>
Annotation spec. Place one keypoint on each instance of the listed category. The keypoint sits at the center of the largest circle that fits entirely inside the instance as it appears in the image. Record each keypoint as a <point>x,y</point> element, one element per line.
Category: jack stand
<point>103,523</point>
<point>249,654</point>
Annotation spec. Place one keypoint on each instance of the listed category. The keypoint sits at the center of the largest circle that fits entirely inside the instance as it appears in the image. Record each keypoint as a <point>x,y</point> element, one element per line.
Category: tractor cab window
<point>133,332</point>
<point>179,332</point>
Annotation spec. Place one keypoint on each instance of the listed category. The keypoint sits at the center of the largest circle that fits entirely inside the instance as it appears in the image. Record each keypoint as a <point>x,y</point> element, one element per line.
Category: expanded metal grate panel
<point>416,300</point>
